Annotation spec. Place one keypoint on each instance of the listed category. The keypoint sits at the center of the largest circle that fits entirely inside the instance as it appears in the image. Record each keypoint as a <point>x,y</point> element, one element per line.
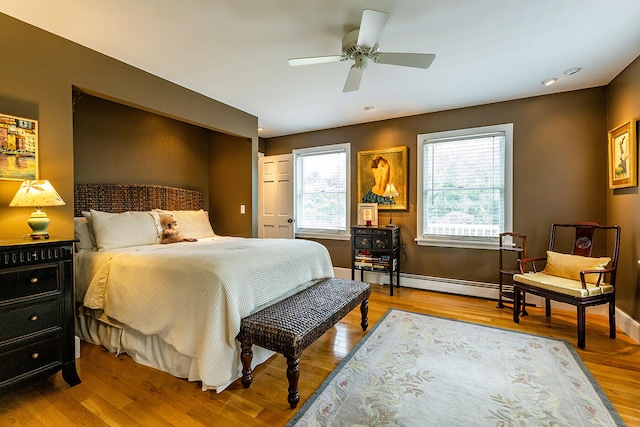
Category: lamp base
<point>38,236</point>
<point>39,223</point>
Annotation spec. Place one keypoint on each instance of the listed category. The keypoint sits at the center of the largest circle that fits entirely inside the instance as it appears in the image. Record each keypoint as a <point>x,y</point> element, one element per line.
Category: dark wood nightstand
<point>376,249</point>
<point>36,311</point>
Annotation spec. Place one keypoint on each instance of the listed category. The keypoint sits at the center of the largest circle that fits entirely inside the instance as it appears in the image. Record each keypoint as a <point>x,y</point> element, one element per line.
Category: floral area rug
<point>417,370</point>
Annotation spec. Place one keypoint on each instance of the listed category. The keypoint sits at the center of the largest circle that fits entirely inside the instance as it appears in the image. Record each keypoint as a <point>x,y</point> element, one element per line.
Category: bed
<point>177,307</point>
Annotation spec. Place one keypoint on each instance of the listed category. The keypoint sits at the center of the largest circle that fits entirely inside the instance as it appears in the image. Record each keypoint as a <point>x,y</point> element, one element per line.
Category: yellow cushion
<point>561,285</point>
<point>570,266</point>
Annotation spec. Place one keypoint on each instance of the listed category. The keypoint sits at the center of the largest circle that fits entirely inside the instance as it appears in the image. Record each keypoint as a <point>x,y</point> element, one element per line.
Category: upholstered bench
<point>291,325</point>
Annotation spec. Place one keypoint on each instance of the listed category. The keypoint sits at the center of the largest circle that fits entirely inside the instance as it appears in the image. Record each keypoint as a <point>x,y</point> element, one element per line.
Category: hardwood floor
<point>116,391</point>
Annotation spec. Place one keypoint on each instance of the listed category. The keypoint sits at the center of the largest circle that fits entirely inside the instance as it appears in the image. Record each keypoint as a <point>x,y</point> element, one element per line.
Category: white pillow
<point>193,224</point>
<point>92,235</point>
<point>81,233</point>
<point>120,230</point>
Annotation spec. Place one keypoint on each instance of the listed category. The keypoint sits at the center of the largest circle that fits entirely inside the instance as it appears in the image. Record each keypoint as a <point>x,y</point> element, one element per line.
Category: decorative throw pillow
<point>119,230</point>
<point>570,266</point>
<point>193,224</point>
<point>92,235</point>
<point>81,233</point>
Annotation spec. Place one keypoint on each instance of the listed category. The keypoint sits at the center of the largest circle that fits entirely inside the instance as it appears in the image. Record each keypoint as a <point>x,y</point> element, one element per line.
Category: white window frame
<point>318,233</point>
<point>466,241</point>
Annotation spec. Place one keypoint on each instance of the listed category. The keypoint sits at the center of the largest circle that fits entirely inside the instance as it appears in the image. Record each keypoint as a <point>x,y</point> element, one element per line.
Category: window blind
<point>321,188</point>
<point>464,185</point>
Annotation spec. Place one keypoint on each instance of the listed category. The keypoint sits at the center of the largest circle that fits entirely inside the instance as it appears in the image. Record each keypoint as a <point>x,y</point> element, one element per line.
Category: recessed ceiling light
<point>259,129</point>
<point>549,82</point>
<point>572,71</point>
<point>369,108</point>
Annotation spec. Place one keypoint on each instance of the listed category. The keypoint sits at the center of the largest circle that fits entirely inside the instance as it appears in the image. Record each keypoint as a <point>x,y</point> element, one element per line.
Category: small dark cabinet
<point>376,249</point>
<point>36,311</point>
<point>513,248</point>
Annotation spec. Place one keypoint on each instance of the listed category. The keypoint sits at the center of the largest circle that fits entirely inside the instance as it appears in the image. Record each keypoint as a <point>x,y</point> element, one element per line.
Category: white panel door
<point>275,193</point>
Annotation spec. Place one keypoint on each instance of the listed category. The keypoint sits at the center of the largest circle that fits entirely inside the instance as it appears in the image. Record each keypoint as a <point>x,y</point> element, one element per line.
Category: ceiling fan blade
<point>416,60</point>
<point>294,62</point>
<point>353,79</point>
<point>370,27</point>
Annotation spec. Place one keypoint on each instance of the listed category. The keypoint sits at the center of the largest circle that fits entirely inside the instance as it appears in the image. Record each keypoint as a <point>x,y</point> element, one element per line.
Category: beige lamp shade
<point>390,191</point>
<point>37,194</point>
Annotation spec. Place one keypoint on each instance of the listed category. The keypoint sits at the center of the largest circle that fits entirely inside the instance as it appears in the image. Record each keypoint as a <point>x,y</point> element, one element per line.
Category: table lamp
<point>37,194</point>
<point>390,192</point>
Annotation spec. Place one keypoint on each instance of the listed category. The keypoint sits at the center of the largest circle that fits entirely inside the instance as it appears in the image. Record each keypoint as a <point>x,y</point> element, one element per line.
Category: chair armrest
<point>601,273</point>
<point>522,263</point>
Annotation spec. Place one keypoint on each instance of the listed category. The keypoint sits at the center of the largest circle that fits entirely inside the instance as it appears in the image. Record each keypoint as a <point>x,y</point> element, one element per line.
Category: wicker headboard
<point>133,197</point>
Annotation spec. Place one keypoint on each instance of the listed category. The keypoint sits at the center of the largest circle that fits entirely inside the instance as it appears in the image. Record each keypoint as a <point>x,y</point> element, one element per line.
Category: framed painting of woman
<point>380,172</point>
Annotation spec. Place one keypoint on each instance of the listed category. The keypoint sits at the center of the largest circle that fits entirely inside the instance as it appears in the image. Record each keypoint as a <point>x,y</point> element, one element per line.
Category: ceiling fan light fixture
<point>361,62</point>
<point>549,82</point>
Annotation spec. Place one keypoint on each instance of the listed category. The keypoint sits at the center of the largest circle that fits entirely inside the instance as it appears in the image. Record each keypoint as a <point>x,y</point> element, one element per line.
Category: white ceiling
<point>236,51</point>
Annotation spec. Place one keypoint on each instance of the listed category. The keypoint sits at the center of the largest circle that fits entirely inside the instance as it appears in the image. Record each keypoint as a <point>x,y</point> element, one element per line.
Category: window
<point>321,195</point>
<point>465,186</point>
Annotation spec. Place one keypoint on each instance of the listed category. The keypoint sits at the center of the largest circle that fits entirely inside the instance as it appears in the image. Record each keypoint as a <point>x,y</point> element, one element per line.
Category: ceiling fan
<point>361,45</point>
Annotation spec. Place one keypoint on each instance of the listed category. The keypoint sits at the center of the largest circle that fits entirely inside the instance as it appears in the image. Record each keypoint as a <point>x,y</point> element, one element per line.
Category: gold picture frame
<point>367,212</point>
<point>18,148</point>
<point>622,155</point>
<point>393,161</point>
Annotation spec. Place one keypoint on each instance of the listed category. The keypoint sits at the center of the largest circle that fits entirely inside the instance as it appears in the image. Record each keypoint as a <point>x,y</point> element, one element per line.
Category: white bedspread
<point>193,295</point>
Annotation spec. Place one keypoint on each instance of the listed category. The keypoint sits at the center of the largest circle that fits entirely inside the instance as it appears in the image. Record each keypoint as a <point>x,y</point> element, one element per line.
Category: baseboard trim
<point>626,323</point>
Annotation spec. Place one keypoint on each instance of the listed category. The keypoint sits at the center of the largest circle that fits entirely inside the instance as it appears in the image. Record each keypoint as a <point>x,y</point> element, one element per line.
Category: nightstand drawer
<point>370,231</point>
<point>378,243</point>
<point>32,357</point>
<point>27,320</point>
<point>22,282</point>
<point>362,242</point>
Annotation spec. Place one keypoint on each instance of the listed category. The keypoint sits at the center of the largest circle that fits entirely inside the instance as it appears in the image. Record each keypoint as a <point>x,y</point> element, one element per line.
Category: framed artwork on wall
<point>383,178</point>
<point>367,214</point>
<point>18,148</point>
<point>623,162</point>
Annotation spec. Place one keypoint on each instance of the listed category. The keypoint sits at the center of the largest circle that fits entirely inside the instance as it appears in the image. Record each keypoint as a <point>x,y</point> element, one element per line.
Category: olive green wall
<point>114,143</point>
<point>623,205</point>
<point>230,175</point>
<point>559,172</point>
<point>38,73</point>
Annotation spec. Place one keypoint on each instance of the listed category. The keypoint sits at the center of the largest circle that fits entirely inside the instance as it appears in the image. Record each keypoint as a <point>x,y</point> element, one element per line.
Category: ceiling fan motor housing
<point>350,46</point>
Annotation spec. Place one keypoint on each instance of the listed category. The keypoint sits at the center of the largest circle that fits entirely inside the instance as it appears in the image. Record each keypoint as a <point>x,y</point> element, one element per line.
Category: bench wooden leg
<point>293,375</point>
<point>612,320</point>
<point>246,356</point>
<point>364,310</point>
<point>581,326</point>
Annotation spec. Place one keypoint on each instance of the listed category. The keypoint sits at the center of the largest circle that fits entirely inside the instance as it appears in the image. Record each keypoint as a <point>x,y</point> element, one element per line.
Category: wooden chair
<point>573,277</point>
